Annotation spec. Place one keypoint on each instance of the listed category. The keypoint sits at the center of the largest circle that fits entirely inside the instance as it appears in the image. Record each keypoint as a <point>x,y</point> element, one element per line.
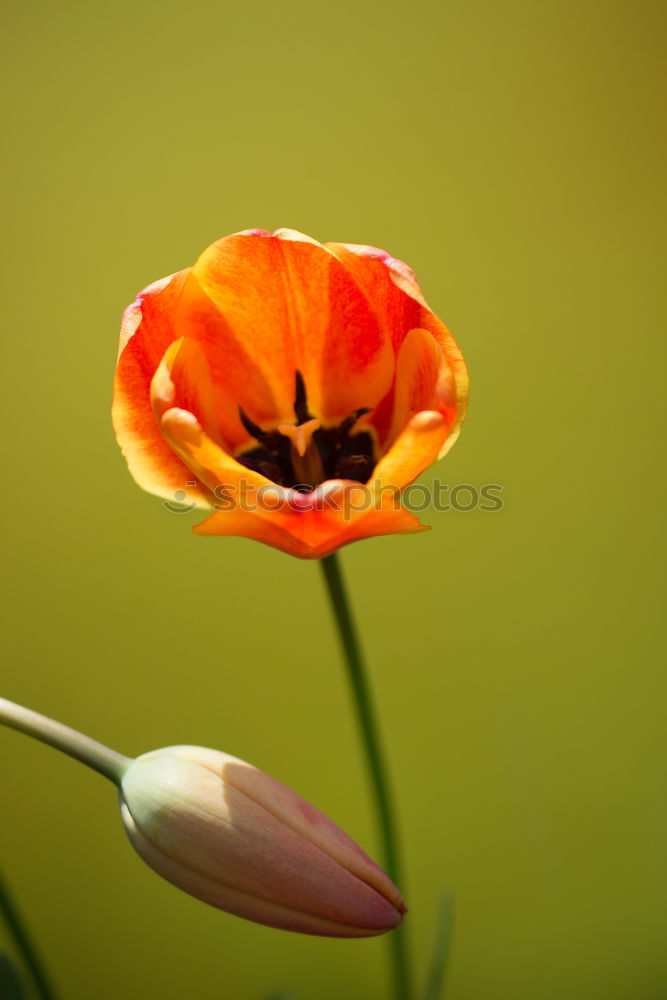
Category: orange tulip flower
<point>293,387</point>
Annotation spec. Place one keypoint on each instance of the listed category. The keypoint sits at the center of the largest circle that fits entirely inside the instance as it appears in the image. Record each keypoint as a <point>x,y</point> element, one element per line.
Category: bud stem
<point>363,701</point>
<point>109,763</point>
<point>102,759</point>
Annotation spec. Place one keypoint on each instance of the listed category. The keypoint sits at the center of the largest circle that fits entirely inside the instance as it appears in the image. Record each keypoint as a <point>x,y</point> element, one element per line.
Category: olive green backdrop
<point>510,152</point>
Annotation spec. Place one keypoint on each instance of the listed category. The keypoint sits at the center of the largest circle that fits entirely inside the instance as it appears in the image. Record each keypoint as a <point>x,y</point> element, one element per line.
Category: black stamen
<point>253,429</point>
<point>346,425</point>
<point>301,411</point>
<point>270,439</point>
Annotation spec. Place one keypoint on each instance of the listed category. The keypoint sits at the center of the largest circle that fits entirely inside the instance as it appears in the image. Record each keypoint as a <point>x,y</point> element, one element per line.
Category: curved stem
<point>24,945</point>
<point>363,701</point>
<point>102,759</point>
<point>109,763</point>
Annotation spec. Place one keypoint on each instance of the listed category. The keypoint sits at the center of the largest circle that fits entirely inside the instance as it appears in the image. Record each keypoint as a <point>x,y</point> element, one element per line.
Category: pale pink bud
<point>232,836</point>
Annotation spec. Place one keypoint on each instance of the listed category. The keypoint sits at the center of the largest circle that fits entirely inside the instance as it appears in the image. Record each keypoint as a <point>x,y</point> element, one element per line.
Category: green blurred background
<point>510,152</point>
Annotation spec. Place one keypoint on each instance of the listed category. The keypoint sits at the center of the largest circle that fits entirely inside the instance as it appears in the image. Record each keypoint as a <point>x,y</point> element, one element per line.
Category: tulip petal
<point>241,904</point>
<point>350,514</point>
<point>285,305</point>
<point>295,812</point>
<point>213,466</point>
<point>419,370</point>
<point>183,380</point>
<point>396,300</point>
<point>415,449</point>
<point>400,273</point>
<point>392,287</point>
<point>146,333</point>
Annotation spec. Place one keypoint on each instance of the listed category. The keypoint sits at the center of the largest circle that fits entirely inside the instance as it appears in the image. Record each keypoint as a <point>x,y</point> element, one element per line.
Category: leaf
<point>441,947</point>
<point>11,987</point>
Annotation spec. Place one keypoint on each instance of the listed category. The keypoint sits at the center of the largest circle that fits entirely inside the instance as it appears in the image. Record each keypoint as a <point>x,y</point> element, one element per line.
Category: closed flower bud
<point>228,834</point>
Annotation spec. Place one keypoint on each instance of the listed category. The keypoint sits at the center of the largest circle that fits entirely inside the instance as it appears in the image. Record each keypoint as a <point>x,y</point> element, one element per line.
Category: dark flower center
<point>304,454</point>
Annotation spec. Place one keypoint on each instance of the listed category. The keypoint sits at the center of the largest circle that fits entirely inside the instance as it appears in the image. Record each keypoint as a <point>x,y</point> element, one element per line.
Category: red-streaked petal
<point>398,309</point>
<point>401,274</point>
<point>313,534</point>
<point>263,307</point>
<point>146,333</point>
<point>396,297</point>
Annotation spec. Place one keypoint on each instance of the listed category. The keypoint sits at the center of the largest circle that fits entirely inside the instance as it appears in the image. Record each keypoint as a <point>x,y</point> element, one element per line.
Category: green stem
<point>363,700</point>
<point>109,763</point>
<point>24,945</point>
<point>441,948</point>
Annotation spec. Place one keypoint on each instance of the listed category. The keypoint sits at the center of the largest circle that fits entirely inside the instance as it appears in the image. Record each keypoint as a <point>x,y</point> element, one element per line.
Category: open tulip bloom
<point>292,387</point>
